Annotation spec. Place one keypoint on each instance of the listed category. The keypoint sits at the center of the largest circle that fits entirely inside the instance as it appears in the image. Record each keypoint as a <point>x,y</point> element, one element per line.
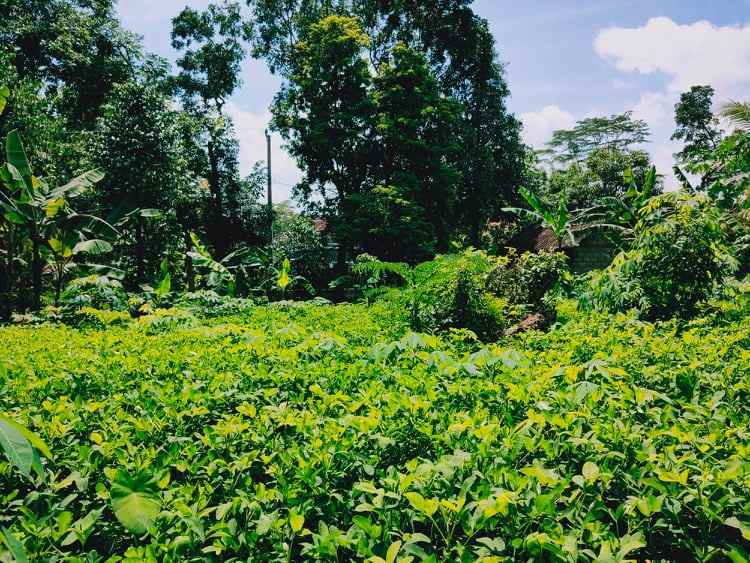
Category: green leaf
<point>165,285</point>
<point>4,95</point>
<point>393,550</point>
<point>590,471</point>
<point>533,200</point>
<point>265,523</point>
<point>54,206</point>
<point>739,525</point>
<point>630,543</point>
<point>15,547</point>
<point>92,246</point>
<point>135,501</point>
<point>16,156</point>
<point>296,521</point>
<point>79,184</point>
<point>16,447</point>
<point>423,505</point>
<point>35,440</point>
<point>284,279</point>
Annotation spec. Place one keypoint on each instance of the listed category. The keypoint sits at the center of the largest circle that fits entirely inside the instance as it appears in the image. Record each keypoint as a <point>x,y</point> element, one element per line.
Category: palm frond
<point>738,113</point>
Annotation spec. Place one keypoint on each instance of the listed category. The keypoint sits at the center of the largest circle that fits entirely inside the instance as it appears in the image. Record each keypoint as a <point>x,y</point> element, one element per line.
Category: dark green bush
<point>497,236</point>
<point>452,292</point>
<point>678,259</point>
<point>528,278</point>
<point>98,292</point>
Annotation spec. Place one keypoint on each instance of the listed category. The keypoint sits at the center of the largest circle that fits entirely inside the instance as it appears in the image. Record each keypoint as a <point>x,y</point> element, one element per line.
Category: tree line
<point>394,111</point>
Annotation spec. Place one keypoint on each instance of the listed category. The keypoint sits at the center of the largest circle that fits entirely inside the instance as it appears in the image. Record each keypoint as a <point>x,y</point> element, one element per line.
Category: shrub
<point>498,235</point>
<point>678,259</point>
<point>527,279</point>
<point>298,239</point>
<point>89,317</point>
<point>95,291</point>
<point>449,292</point>
<point>453,293</point>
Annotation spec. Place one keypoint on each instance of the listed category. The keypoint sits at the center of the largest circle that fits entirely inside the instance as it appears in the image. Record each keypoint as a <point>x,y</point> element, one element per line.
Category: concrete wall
<point>594,253</point>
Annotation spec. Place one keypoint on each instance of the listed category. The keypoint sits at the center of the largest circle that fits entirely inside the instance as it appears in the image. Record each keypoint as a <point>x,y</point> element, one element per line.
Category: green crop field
<point>332,433</point>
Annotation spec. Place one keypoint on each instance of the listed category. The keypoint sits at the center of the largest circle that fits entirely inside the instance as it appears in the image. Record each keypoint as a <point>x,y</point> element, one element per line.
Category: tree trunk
<point>7,282</point>
<point>59,283</point>
<point>189,270</point>
<point>36,270</point>
<point>215,229</point>
<point>140,251</point>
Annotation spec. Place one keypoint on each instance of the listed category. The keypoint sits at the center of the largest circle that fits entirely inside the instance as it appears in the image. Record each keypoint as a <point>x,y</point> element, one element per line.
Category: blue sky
<point>565,60</point>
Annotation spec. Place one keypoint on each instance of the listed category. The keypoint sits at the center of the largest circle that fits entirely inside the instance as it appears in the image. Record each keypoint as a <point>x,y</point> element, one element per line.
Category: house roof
<point>546,241</point>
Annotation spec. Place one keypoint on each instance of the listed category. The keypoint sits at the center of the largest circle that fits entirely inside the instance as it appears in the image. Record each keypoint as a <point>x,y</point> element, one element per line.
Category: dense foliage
<point>165,395</point>
<point>330,433</point>
<point>678,259</point>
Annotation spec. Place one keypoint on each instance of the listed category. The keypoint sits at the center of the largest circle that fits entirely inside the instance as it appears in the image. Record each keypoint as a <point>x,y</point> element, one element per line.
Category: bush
<point>527,279</point>
<point>471,290</point>
<point>678,259</point>
<point>97,292</point>
<point>298,239</point>
<point>497,236</point>
<point>452,292</point>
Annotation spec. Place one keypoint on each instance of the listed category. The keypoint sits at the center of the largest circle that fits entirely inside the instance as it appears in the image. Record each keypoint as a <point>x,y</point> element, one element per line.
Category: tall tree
<point>697,126</point>
<point>137,141</point>
<point>620,132</point>
<point>416,132</point>
<point>493,157</point>
<point>77,46</point>
<point>603,174</point>
<point>212,46</point>
<point>379,148</point>
<point>461,54</point>
<point>326,114</point>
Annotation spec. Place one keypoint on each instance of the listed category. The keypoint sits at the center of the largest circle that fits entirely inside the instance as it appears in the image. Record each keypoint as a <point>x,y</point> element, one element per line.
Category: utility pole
<point>269,180</point>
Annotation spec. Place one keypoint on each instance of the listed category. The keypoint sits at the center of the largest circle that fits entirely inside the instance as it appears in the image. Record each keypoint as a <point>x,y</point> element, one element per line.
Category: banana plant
<point>65,247</point>
<point>563,222</point>
<point>221,273</point>
<point>32,206</point>
<point>557,219</point>
<point>279,279</point>
<point>624,212</point>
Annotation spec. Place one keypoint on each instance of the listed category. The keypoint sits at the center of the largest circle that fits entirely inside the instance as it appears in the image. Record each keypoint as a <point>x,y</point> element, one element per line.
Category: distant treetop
<point>619,131</point>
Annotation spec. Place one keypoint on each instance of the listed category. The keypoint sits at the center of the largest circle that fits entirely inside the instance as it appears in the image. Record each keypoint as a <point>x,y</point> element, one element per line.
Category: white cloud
<point>250,129</point>
<point>539,126</point>
<point>698,53</point>
<point>656,108</point>
<point>687,55</point>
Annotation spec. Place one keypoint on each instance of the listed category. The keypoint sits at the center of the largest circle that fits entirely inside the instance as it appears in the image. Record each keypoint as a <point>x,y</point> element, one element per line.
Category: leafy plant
<point>221,274</point>
<point>22,447</point>
<point>135,501</point>
<point>559,220</point>
<point>678,258</point>
<point>320,431</point>
<point>625,212</point>
<point>738,113</point>
<point>32,205</point>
